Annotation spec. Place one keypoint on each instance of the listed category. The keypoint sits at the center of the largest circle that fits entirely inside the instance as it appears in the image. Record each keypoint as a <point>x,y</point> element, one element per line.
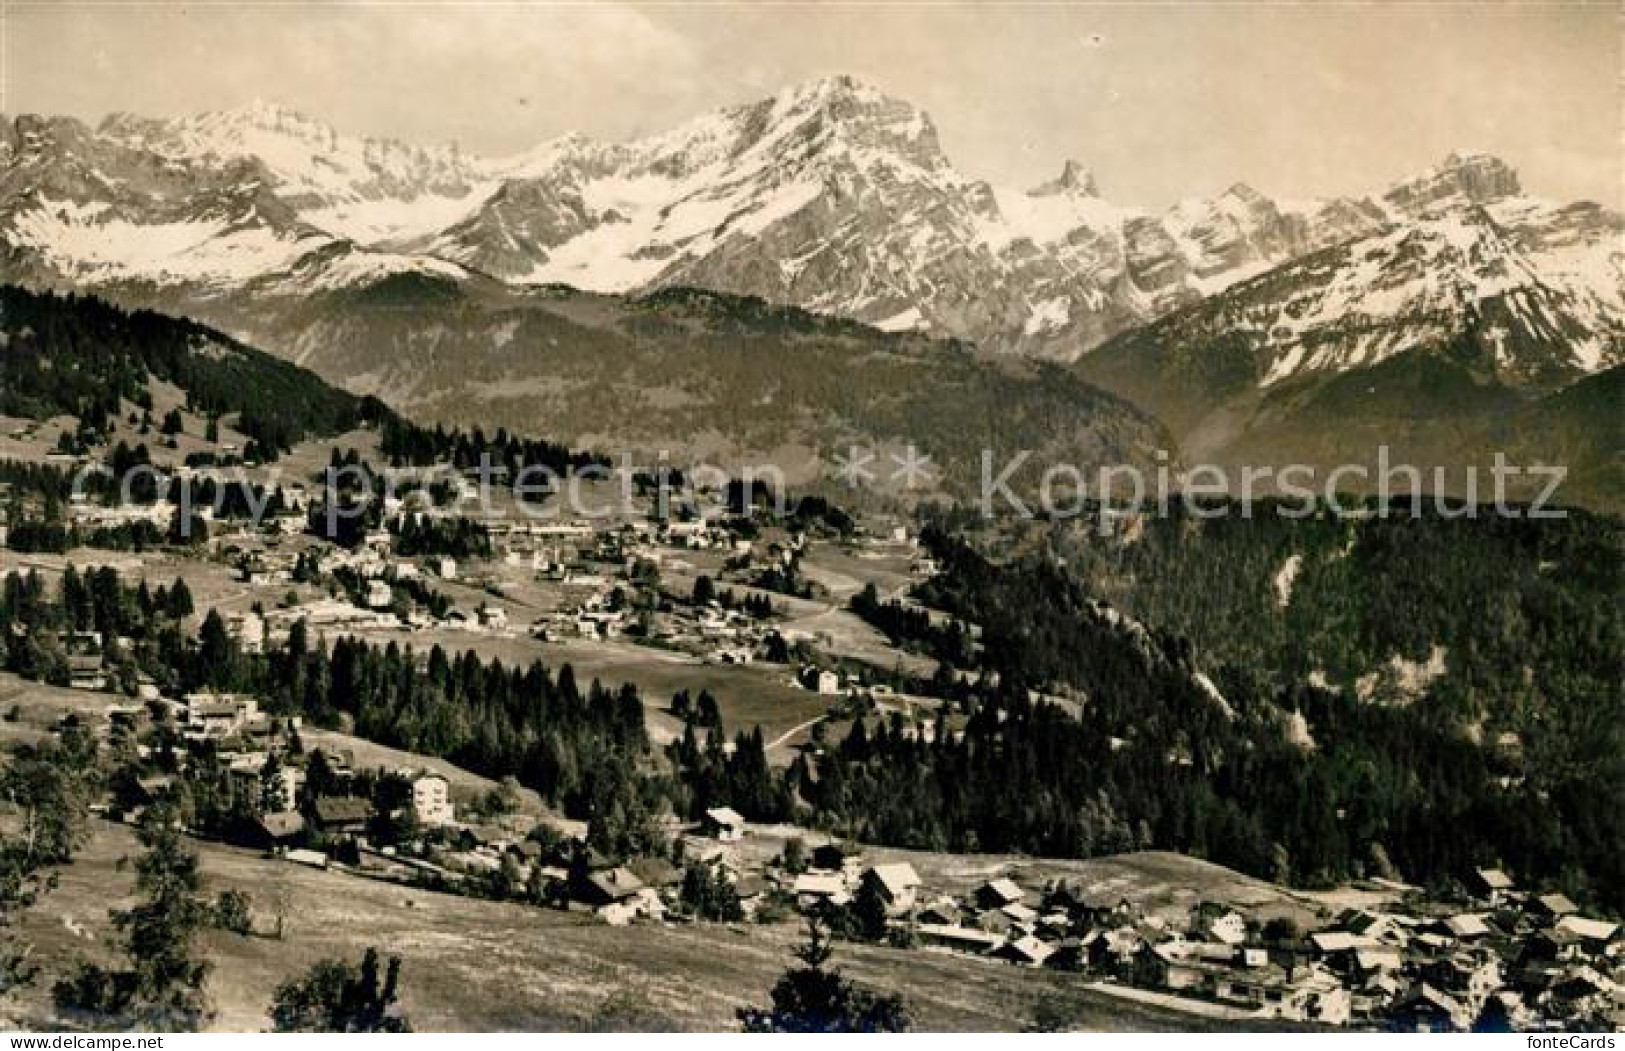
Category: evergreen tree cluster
<point>710,775</point>
<point>554,736</point>
<point>911,625</point>
<point>335,996</point>
<point>460,538</point>
<point>816,998</point>
<point>408,445</point>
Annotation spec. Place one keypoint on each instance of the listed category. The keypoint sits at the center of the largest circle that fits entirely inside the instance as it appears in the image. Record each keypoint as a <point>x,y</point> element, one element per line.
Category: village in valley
<point>742,620</point>
<point>816,518</point>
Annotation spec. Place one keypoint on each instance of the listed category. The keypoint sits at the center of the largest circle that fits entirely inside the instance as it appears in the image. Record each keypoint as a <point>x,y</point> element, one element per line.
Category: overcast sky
<point>1161,103</point>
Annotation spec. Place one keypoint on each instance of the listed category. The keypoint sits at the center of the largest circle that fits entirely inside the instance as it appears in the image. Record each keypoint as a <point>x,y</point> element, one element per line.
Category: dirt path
<point>779,741</point>
<point>1174,1003</point>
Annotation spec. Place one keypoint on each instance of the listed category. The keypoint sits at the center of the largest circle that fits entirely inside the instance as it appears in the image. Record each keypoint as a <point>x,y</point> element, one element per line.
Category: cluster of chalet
<point>567,873</point>
<point>232,721</point>
<point>90,514</point>
<point>646,888</point>
<point>336,818</point>
<point>1212,954</point>
<point>1530,961</point>
<point>87,654</point>
<point>592,560</point>
<point>723,636</point>
<point>600,561</point>
<point>374,606</point>
<point>595,616</point>
<point>268,777</point>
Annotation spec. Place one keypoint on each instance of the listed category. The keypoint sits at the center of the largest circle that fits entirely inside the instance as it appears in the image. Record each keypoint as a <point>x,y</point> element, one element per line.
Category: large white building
<point>431,800</point>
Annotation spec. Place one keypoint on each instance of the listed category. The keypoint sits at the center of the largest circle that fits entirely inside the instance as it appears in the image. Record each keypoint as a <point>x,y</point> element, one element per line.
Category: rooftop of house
<point>1557,904</point>
<point>897,877</point>
<point>655,872</point>
<point>1005,889</point>
<point>338,809</point>
<point>954,933</point>
<point>281,825</point>
<point>819,883</point>
<point>1339,941</point>
<point>1589,929</point>
<point>726,817</point>
<point>616,883</point>
<point>1467,925</point>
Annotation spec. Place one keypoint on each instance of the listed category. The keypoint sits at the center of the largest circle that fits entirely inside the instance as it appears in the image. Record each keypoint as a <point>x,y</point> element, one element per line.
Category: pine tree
<point>336,997</point>
<point>161,988</point>
<point>47,787</point>
<point>273,789</point>
<point>814,998</point>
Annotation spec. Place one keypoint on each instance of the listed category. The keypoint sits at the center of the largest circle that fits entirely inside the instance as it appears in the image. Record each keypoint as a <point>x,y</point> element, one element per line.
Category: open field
<point>841,570</point>
<point>29,710</point>
<point>836,628</point>
<point>477,965</point>
<point>841,632</point>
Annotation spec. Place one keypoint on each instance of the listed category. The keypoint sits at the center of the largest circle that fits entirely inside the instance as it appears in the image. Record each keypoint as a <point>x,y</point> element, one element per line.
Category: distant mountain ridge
<point>829,195</point>
<point>1257,330</point>
<point>1445,339</point>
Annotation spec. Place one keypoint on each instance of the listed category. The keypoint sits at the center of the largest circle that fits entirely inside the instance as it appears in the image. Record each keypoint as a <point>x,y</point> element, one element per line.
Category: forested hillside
<point>78,356</point>
<point>1199,728</point>
<point>727,380</point>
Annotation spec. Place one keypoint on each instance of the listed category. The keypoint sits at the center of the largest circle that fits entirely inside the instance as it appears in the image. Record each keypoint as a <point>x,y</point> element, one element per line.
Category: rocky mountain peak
<point>1477,178</point>
<point>1245,194</point>
<point>1074,179</point>
<point>843,109</point>
<point>264,113</point>
<point>832,86</point>
<point>246,125</point>
<point>31,133</point>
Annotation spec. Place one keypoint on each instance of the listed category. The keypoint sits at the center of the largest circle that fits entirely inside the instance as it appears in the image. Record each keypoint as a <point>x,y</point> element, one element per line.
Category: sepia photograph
<point>866,516</point>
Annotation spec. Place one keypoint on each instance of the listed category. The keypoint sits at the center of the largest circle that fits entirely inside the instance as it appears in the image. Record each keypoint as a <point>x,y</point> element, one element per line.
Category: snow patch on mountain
<point>1048,315</point>
<point>363,268</point>
<point>388,220</point>
<point>902,321</point>
<point>368,190</point>
<point>1049,218</point>
<point>86,241</point>
<point>1284,578</point>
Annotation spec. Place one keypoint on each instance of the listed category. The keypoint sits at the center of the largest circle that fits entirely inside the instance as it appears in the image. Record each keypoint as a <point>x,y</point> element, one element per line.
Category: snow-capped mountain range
<point>830,195</point>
